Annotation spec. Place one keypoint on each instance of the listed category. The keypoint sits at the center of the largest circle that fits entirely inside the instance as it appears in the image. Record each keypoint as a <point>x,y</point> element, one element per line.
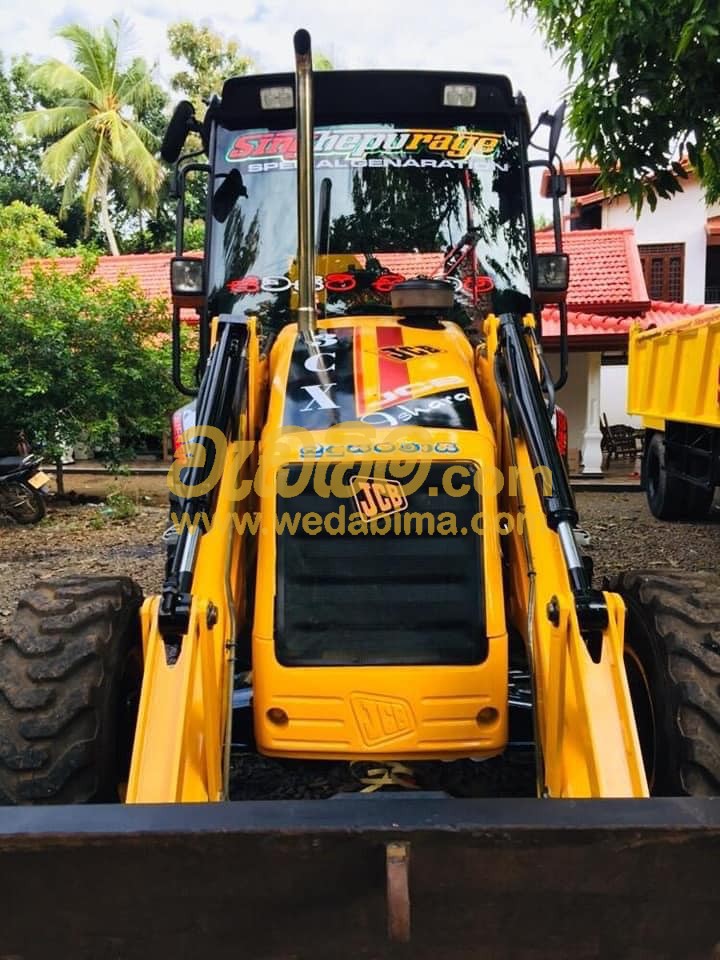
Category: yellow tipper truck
<point>374,564</point>
<point>674,384</point>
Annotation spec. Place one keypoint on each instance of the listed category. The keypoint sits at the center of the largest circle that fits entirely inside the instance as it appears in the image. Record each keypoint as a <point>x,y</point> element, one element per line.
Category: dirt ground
<point>81,538</point>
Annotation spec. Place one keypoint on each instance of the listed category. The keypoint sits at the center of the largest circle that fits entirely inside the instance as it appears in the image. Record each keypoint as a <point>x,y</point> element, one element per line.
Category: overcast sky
<point>438,34</point>
<point>477,35</point>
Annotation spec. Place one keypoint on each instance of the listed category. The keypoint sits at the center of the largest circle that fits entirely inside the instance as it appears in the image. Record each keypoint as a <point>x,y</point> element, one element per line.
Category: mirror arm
<point>177,357</point>
<point>558,190</point>
<point>181,171</point>
<point>557,231</point>
<point>564,347</point>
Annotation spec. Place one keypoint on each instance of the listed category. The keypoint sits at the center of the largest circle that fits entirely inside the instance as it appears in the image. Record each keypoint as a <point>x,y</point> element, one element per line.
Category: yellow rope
<point>391,774</point>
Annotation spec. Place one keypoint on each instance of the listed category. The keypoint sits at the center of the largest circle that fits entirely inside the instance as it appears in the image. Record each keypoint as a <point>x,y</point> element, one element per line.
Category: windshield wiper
<point>323,231</point>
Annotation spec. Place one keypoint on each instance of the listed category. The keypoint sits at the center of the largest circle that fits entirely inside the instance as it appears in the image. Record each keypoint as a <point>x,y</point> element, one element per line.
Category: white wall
<point>613,396</point>
<point>573,396</point>
<point>678,220</point>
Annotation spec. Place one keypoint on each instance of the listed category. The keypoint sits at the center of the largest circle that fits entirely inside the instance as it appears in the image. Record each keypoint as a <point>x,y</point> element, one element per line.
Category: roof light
<point>459,94</point>
<point>277,98</point>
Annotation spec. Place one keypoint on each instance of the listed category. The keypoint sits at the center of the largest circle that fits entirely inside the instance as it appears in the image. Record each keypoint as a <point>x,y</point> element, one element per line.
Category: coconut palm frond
<point>53,122</point>
<point>94,54</point>
<point>145,169</point>
<point>131,196</point>
<point>79,142</point>
<point>112,124</point>
<point>97,177</point>
<point>56,77</point>
<point>148,138</point>
<point>135,87</point>
<point>75,171</point>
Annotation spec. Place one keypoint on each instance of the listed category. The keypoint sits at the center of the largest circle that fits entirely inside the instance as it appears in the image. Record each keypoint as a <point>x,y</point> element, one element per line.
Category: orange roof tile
<point>152,270</point>
<point>607,290</point>
<point>412,264</point>
<point>605,270</point>
<point>712,226</point>
<point>586,329</point>
<point>581,169</point>
<point>589,198</point>
<point>578,177</point>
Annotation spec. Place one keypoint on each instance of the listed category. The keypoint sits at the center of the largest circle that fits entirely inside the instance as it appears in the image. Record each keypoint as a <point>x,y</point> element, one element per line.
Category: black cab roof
<point>362,96</point>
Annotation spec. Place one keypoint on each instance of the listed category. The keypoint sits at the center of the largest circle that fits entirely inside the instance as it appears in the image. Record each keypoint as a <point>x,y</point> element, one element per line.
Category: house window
<point>663,268</point>
<point>712,275</point>
<point>587,217</point>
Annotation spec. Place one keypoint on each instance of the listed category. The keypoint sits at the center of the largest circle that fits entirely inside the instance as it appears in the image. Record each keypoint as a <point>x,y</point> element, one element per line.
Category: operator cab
<point>405,186</point>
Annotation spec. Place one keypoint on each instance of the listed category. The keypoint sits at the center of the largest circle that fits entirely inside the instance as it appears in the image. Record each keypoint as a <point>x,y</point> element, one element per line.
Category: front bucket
<point>289,880</point>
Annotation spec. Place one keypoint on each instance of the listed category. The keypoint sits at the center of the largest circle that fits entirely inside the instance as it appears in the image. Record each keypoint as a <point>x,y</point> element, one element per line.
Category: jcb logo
<point>381,719</point>
<point>377,498</point>
<point>403,354</point>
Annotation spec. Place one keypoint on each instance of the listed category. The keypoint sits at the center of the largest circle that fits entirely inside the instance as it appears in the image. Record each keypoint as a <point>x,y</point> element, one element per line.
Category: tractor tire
<point>70,672</point>
<point>669,497</point>
<point>672,660</point>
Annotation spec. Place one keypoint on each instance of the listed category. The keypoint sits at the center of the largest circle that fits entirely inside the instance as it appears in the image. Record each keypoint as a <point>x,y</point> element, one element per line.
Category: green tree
<point>80,358</point>
<point>210,61</point>
<point>322,62</point>
<point>21,177</point>
<point>645,77</point>
<point>95,125</point>
<point>26,231</point>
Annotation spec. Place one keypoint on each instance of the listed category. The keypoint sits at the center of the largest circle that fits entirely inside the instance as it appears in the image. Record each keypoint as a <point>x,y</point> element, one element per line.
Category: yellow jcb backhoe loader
<point>374,562</point>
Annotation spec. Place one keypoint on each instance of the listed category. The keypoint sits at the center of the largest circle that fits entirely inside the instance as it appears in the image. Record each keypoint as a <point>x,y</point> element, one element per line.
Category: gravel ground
<point>625,535</point>
<point>79,539</point>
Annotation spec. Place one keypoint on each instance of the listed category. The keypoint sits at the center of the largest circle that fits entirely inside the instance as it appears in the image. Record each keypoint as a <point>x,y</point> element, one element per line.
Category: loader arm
<point>585,728</point>
<point>181,748</point>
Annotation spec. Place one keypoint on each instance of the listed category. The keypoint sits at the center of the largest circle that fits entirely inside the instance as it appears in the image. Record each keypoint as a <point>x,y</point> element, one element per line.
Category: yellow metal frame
<point>587,739</point>
<point>674,372</point>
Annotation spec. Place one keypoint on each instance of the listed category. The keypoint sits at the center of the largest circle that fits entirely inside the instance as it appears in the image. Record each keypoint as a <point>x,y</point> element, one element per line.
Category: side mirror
<point>556,126</point>
<point>226,194</point>
<point>187,281</point>
<point>552,274</point>
<point>181,123</point>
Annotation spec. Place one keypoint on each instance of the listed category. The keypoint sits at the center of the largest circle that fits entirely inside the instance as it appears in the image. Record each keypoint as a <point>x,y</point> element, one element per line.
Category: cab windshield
<point>392,203</point>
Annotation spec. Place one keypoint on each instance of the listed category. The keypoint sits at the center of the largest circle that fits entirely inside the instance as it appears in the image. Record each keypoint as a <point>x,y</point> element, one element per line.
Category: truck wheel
<point>668,497</point>
<point>672,659</point>
<point>699,501</point>
<point>70,672</point>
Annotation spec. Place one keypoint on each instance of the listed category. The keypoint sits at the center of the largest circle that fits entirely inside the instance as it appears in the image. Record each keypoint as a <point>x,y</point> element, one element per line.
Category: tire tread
<point>682,612</point>
<point>58,669</point>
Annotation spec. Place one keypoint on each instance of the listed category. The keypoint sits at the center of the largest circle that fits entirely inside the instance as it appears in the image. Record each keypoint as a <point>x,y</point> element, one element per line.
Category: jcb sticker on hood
<point>377,497</point>
<point>411,352</point>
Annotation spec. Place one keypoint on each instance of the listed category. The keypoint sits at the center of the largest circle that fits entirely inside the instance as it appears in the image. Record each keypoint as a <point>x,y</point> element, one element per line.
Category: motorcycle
<point>22,488</point>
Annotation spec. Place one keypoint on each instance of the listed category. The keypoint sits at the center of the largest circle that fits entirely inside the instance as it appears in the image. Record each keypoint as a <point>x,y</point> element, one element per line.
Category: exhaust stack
<point>304,112</point>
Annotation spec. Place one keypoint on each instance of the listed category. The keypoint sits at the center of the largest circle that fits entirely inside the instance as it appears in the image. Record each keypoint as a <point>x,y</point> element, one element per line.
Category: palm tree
<point>95,125</point>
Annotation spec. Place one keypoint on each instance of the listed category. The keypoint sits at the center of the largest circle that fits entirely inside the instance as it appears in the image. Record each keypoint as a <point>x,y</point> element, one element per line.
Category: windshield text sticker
<point>372,147</point>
